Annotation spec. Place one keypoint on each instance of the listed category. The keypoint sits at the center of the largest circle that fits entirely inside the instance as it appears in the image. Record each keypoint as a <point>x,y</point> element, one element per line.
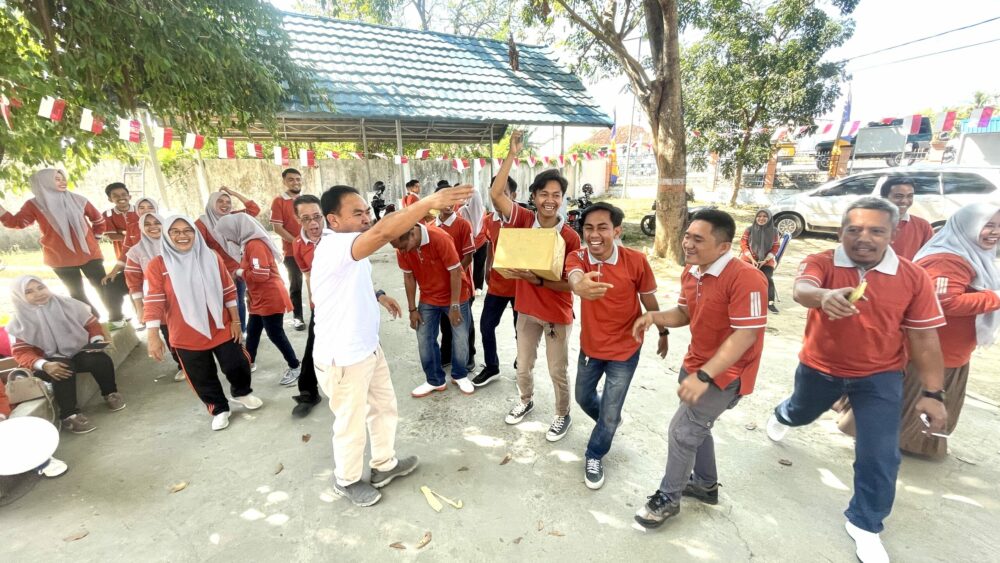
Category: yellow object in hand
<point>858,292</point>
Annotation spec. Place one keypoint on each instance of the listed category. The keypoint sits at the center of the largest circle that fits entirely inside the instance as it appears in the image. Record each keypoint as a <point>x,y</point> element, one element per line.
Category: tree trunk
<point>737,180</point>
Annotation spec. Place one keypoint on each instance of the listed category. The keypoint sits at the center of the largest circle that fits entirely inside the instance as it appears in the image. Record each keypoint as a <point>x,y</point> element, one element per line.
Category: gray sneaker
<point>78,424</point>
<point>657,510</point>
<point>403,467</point>
<point>115,401</point>
<point>360,493</point>
<point>291,376</point>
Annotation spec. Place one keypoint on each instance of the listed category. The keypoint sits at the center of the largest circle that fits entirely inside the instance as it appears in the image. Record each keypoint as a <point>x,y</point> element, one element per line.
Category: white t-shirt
<point>347,315</point>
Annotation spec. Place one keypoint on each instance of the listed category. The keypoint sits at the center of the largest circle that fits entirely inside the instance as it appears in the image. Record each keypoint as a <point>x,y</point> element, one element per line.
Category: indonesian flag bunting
<point>227,148</point>
<point>944,121</point>
<point>562,160</point>
<point>357,156</point>
<point>574,157</point>
<point>381,155</point>
<point>128,130</point>
<point>546,160</point>
<point>980,117</point>
<point>281,156</point>
<point>401,159</point>
<point>801,130</point>
<point>588,155</point>
<point>193,141</point>
<point>163,137</point>
<point>497,162</point>
<point>911,124</point>
<point>517,162</point>
<point>255,150</point>
<point>442,157</point>
<point>52,108</point>
<point>333,154</point>
<point>307,158</point>
<point>482,163</point>
<point>458,164</point>
<point>779,134</point>
<point>827,128</point>
<point>91,122</point>
<point>532,161</point>
<point>855,125</point>
<point>649,147</point>
<point>422,154</point>
<point>5,111</point>
<point>887,120</point>
<point>602,153</point>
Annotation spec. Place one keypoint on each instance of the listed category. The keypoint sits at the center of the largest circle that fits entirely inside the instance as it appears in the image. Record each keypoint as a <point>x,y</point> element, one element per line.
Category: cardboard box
<point>542,251</point>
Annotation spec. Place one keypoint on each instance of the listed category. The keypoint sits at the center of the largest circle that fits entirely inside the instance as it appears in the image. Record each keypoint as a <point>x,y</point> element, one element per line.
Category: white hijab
<point>195,278</point>
<point>57,327</point>
<point>211,221</point>
<point>240,228</point>
<point>147,248</point>
<point>65,211</point>
<point>473,212</point>
<point>959,236</point>
<point>151,201</point>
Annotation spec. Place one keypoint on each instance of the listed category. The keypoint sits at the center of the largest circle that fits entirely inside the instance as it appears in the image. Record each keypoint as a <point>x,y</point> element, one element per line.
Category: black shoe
<point>656,510</point>
<point>485,377</point>
<point>559,428</point>
<point>772,308</point>
<point>593,474</point>
<point>298,324</point>
<point>305,404</point>
<point>707,495</point>
<point>403,468</point>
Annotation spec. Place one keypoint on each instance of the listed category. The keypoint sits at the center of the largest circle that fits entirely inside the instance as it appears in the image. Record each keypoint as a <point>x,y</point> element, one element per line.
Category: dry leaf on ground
<point>556,533</point>
<point>306,437</point>
<point>178,487</point>
<point>750,426</point>
<point>517,540</point>
<point>463,468</point>
<point>506,459</point>
<point>431,499</point>
<point>785,462</point>
<point>540,525</point>
<point>279,469</point>
<point>76,536</point>
<point>397,545</point>
<point>424,540</point>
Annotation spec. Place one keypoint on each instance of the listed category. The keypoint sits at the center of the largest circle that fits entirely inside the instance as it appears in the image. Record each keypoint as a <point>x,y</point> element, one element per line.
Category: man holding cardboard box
<point>532,248</point>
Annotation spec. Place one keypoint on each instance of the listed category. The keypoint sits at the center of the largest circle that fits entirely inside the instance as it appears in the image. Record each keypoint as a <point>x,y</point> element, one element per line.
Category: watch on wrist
<point>456,306</point>
<point>936,395</point>
<point>703,376</point>
<point>541,282</point>
<point>665,332</point>
<point>412,309</point>
<point>379,294</point>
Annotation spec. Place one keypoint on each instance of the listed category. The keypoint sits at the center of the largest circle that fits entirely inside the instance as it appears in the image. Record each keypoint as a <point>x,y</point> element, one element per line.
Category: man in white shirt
<point>350,365</point>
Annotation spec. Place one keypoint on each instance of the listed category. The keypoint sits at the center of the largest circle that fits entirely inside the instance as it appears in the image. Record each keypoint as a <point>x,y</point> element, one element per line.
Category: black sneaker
<point>707,495</point>
<point>517,414</point>
<point>305,404</point>
<point>594,474</point>
<point>771,307</point>
<point>656,510</point>
<point>298,324</point>
<point>560,426</point>
<point>403,468</point>
<point>360,493</point>
<point>485,377</point>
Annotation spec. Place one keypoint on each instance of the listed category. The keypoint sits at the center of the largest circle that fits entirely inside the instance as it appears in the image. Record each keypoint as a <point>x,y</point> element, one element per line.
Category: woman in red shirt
<point>269,300</point>
<point>758,247</point>
<point>70,227</point>
<point>188,286</point>
<point>961,260</point>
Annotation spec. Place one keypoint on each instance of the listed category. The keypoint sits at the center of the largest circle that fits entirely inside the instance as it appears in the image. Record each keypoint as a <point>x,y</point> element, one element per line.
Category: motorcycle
<point>648,223</point>
<point>379,206</point>
<point>574,215</point>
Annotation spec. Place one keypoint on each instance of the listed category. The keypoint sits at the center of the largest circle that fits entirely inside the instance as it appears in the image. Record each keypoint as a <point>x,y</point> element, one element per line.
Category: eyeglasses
<point>180,232</point>
<point>310,218</point>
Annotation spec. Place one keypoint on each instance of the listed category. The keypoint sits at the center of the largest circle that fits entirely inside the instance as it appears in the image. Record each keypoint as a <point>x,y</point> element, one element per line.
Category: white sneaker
<point>776,430</point>
<point>291,376</point>
<point>220,421</point>
<point>253,368</point>
<point>179,376</point>
<point>465,385</point>
<point>425,389</point>
<point>53,468</point>
<point>249,401</point>
<point>869,545</point>
<point>116,325</point>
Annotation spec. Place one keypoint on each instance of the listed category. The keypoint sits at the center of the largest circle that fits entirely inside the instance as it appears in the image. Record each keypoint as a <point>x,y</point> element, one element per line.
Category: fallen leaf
<point>963,460</point>
<point>556,533</point>
<point>506,459</point>
<point>785,462</point>
<point>306,437</point>
<point>178,487</point>
<point>397,545</point>
<point>540,525</point>
<point>517,540</point>
<point>431,499</point>
<point>463,468</point>
<point>279,469</point>
<point>448,500</point>
<point>76,536</point>
<point>424,540</point>
<point>750,426</point>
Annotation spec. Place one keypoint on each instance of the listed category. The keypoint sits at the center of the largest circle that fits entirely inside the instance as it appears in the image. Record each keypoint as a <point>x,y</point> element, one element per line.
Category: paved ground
<point>260,491</point>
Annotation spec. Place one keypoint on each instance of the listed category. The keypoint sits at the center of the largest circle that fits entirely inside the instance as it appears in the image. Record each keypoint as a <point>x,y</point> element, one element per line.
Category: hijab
<point>959,236</point>
<point>762,236</point>
<point>57,327</point>
<point>473,212</point>
<point>195,278</point>
<point>64,211</point>
<point>149,200</point>
<point>240,228</point>
<point>147,248</point>
<point>211,221</point>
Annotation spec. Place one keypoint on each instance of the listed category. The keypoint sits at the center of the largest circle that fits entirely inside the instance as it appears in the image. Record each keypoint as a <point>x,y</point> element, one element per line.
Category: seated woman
<point>758,246</point>
<point>269,300</point>
<point>189,288</point>
<point>51,336</point>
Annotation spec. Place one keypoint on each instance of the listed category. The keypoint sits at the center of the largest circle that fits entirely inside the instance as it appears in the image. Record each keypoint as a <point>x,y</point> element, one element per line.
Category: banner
<point>227,148</point>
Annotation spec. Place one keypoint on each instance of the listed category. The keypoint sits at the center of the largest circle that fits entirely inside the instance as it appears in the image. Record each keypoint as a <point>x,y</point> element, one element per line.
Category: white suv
<point>938,192</point>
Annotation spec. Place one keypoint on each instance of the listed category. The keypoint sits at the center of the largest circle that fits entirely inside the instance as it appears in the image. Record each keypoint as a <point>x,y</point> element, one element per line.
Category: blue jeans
<point>604,408</point>
<point>241,302</point>
<point>427,343</point>
<point>493,309</point>
<point>877,401</point>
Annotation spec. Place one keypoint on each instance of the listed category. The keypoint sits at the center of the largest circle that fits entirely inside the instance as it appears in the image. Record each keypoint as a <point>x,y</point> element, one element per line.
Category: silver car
<point>938,192</point>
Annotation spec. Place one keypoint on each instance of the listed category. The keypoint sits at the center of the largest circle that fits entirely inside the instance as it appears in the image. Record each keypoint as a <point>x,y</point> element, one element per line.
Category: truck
<point>882,140</point>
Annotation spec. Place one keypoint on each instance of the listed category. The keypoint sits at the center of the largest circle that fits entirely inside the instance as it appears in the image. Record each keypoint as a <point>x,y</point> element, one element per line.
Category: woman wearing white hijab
<point>133,234</point>
<point>269,299</point>
<point>961,260</point>
<point>188,286</point>
<point>51,335</point>
<point>70,227</point>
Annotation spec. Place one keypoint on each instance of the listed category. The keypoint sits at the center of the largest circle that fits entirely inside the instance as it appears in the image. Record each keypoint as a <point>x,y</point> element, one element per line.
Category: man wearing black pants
<point>287,226</point>
<point>72,278</point>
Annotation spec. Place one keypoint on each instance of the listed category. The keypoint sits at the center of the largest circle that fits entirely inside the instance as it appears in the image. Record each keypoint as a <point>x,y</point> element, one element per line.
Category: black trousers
<point>116,291</point>
<point>97,364</point>
<point>294,285</point>
<point>166,338</point>
<point>769,273</point>
<point>72,278</point>
<point>199,365</point>
<point>308,387</point>
<point>274,326</point>
<point>446,336</point>
<point>479,266</point>
<point>493,309</point>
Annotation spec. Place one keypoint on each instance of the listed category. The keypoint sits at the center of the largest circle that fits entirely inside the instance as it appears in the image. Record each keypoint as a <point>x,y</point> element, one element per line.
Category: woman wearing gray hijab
<point>759,246</point>
<point>961,260</point>
<point>54,337</point>
<point>189,288</point>
<point>70,227</point>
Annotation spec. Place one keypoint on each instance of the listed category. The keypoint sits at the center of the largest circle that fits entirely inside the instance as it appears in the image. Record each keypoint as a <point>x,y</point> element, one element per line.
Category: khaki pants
<point>361,395</point>
<point>529,334</point>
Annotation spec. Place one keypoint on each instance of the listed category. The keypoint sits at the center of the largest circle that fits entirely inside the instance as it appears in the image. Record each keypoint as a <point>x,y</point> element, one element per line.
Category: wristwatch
<point>541,282</point>
<point>378,294</point>
<point>936,395</point>
<point>702,376</point>
<point>456,306</point>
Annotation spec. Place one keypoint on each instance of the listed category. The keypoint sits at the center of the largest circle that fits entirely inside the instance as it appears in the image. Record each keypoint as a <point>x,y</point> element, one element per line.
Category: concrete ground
<point>261,490</point>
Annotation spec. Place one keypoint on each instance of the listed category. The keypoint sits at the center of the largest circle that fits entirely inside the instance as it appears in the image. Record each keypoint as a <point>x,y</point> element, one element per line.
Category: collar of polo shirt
<point>888,266</point>
<point>538,225</point>
<point>284,195</point>
<point>613,260</point>
<point>905,217</point>
<point>425,238</point>
<point>715,269</point>
<point>447,222</point>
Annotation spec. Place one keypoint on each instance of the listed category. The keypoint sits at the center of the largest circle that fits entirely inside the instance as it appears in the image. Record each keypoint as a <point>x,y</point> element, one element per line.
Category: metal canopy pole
<point>399,151</point>
<point>368,168</point>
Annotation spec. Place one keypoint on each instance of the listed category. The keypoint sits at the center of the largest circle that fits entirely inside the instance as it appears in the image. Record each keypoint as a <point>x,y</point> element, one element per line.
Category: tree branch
<point>633,69</point>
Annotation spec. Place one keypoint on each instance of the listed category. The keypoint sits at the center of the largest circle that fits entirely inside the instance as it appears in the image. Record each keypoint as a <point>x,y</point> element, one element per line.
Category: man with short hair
<point>912,232</point>
<point>612,281</point>
<point>723,300</point>
<point>412,193</point>
<point>118,220</point>
<point>865,304</point>
<point>350,364</point>
<point>460,230</point>
<point>309,214</point>
<point>545,307</point>
<point>287,226</point>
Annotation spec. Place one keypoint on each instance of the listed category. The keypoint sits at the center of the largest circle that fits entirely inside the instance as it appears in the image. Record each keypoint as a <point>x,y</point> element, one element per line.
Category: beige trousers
<point>529,334</point>
<point>361,397</point>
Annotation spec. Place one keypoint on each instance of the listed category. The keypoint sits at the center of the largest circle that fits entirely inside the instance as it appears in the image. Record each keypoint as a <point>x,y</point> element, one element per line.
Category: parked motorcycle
<point>573,216</point>
<point>378,201</point>
<point>648,223</point>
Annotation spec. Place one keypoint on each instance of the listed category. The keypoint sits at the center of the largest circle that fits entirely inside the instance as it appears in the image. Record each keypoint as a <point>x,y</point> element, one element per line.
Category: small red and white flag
<point>546,160</point>
<point>458,164</point>
<point>307,158</point>
<point>801,130</point>
<point>194,141</point>
<point>400,159</point>
<point>128,130</point>
<point>163,137</point>
<point>944,121</point>
<point>422,154</point>
<point>91,122</point>
<point>517,162</point>
<point>442,157</point>
<point>482,163</point>
<point>52,108</point>
<point>532,161</point>
<point>281,156</point>
<point>333,154</point>
<point>648,147</point>
<point>911,124</point>
<point>888,120</point>
<point>588,155</point>
<point>562,160</point>
<point>227,148</point>
<point>497,162</point>
<point>602,154</point>
<point>980,117</point>
<point>827,128</point>
<point>380,155</point>
<point>255,150</point>
<point>574,157</point>
<point>855,125</point>
<point>779,134</point>
<point>357,156</point>
<point>5,111</point>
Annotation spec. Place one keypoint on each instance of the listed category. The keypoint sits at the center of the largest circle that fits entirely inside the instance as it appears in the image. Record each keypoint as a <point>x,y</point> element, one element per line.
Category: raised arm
<point>498,191</point>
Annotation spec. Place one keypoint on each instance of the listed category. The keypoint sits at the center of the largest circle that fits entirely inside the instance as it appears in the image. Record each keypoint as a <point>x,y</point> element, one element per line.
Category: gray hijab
<point>762,236</point>
<point>959,236</point>
<point>65,211</point>
<point>57,327</point>
<point>240,228</point>
<point>195,278</point>
<point>147,248</point>
<point>211,221</point>
<point>151,201</point>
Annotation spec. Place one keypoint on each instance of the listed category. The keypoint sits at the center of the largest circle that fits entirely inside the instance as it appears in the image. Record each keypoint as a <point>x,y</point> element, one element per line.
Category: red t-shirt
<point>121,223</point>
<point>952,276</point>
<point>541,302</point>
<point>55,253</point>
<point>410,199</point>
<point>483,236</point>
<point>911,235</point>
<point>497,284</point>
<point>728,296</point>
<point>899,296</point>
<point>431,264</point>
<point>232,265</point>
<point>607,322</point>
<point>283,214</point>
<point>265,288</point>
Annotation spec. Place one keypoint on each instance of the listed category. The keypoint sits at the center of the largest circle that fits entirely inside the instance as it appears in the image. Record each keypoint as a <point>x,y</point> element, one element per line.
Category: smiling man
<point>286,225</point>
<point>912,232</point>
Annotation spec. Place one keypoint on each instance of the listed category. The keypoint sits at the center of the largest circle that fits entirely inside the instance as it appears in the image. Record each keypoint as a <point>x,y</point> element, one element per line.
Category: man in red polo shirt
<point>612,280</point>
<point>858,347</point>
<point>412,193</point>
<point>460,231</point>
<point>286,225</point>
<point>724,301</point>
<point>117,221</point>
<point>545,307</point>
<point>912,232</point>
<point>310,216</point>
<point>427,256</point>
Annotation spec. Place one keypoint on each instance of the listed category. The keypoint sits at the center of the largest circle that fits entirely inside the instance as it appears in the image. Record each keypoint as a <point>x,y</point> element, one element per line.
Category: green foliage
<point>584,147</point>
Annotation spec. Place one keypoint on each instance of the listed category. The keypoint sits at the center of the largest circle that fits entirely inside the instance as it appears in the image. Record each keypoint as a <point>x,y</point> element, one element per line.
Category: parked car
<point>939,191</point>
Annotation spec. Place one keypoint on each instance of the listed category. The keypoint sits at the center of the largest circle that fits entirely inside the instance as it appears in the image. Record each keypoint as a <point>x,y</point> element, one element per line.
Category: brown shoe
<point>115,401</point>
<point>78,424</point>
